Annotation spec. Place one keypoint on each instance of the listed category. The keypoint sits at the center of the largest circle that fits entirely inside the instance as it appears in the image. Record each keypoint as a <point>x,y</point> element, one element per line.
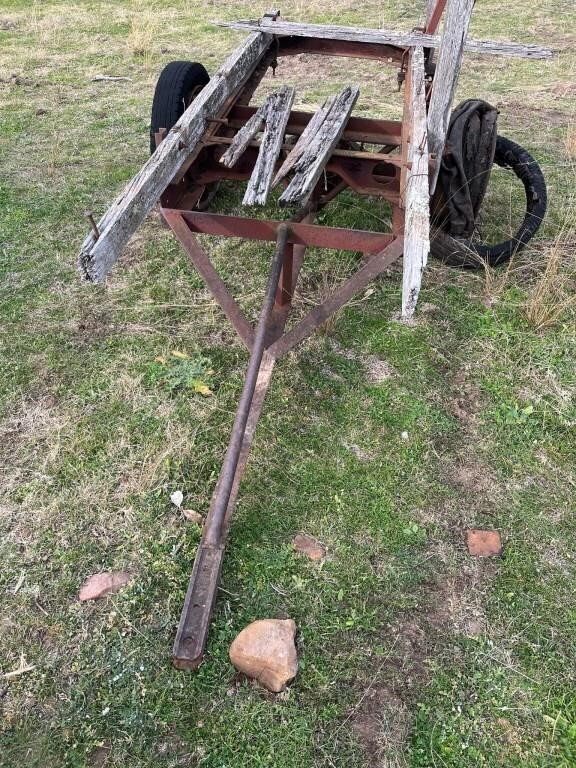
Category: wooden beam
<point>386,37</point>
<point>140,195</point>
<point>277,116</point>
<point>416,196</point>
<point>450,55</point>
<point>309,166</point>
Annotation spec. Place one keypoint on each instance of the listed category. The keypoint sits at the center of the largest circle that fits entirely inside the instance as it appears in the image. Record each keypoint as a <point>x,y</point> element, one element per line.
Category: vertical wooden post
<point>452,42</point>
<point>416,195</point>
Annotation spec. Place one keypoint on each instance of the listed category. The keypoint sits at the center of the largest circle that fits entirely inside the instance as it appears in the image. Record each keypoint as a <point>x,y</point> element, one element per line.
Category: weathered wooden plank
<point>243,138</point>
<point>306,135</point>
<point>387,37</point>
<point>416,196</point>
<point>140,195</point>
<point>308,168</point>
<point>456,23</point>
<point>276,121</point>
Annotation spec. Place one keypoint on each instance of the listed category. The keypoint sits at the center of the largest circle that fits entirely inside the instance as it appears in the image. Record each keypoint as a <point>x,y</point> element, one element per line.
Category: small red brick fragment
<point>101,584</point>
<point>483,543</point>
<point>308,546</point>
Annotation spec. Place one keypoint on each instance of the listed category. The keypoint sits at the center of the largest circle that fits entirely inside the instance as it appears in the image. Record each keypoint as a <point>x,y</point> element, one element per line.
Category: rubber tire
<point>177,81</point>
<point>470,255</point>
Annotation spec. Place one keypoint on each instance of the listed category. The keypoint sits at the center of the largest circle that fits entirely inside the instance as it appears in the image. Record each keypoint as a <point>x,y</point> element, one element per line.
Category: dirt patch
<point>99,757</point>
<point>377,370</point>
<point>381,724</point>
<point>466,401</point>
<point>93,325</point>
<point>33,420</point>
<point>450,605</point>
<point>471,476</point>
<point>359,452</point>
<point>556,557</point>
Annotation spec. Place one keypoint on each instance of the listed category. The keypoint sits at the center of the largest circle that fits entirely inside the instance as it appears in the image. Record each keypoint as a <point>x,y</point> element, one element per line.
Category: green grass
<point>411,653</point>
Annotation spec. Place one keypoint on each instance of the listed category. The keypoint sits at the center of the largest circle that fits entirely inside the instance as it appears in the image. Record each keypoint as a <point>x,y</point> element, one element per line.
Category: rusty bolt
<point>90,216</point>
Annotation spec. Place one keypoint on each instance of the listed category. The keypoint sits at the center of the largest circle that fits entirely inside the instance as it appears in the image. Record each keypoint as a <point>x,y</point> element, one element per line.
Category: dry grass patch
<point>143,31</point>
<point>551,299</point>
<point>570,142</point>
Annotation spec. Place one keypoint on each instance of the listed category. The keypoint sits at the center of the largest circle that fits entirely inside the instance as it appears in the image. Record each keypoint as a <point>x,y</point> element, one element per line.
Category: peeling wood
<point>308,132</point>
<point>243,138</point>
<point>416,196</point>
<point>141,194</point>
<point>456,23</point>
<point>277,116</point>
<point>308,168</point>
<point>387,37</point>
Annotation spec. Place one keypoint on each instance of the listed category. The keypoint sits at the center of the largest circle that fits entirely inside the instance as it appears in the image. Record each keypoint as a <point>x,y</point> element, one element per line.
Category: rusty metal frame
<point>266,343</point>
<point>380,171</point>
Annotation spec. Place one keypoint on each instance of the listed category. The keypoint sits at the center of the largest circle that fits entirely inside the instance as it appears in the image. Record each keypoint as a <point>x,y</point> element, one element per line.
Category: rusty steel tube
<point>215,521</point>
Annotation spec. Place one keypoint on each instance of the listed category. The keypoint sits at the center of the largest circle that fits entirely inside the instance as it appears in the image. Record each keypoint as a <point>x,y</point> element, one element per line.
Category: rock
<point>308,546</point>
<point>101,584</point>
<point>265,651</point>
<point>483,543</point>
<point>193,516</point>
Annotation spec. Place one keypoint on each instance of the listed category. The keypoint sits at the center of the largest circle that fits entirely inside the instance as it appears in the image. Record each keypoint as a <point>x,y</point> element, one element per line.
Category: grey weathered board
<point>244,136</point>
<point>387,37</point>
<point>276,121</point>
<point>456,21</point>
<point>138,198</point>
<point>315,122</point>
<point>416,195</point>
<point>309,166</point>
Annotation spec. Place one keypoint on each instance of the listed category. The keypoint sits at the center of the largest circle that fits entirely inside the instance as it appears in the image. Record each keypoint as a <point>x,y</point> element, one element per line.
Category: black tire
<point>460,252</point>
<point>178,84</point>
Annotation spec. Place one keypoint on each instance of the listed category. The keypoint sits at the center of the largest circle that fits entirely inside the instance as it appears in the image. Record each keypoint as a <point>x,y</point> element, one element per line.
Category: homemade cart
<point>204,130</point>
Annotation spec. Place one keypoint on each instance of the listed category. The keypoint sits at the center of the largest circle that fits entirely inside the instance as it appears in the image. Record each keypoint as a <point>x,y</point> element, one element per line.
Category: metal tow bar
<point>201,595</point>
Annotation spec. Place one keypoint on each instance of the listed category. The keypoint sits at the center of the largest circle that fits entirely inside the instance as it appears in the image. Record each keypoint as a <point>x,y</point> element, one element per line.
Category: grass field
<point>383,440</point>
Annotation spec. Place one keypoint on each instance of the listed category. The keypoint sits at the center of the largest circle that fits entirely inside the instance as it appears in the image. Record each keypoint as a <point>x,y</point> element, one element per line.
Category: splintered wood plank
<point>243,138</point>
<point>387,37</point>
<point>456,23</point>
<point>138,198</point>
<point>308,168</point>
<point>245,135</point>
<point>306,135</point>
<point>276,121</point>
<point>416,195</point>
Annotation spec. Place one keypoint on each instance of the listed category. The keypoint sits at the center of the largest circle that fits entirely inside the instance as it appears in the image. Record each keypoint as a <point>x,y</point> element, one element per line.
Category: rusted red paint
<point>378,173</point>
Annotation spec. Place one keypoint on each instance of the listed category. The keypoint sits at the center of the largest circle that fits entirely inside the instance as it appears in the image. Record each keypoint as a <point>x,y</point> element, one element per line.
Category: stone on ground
<point>265,651</point>
<point>105,583</point>
<point>192,516</point>
<point>308,546</point>
<point>483,543</point>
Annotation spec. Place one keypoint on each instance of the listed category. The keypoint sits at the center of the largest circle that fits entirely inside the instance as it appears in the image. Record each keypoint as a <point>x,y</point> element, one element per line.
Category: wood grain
<point>140,195</point>
<point>387,37</point>
<point>416,195</point>
<point>309,166</point>
<point>277,116</point>
<point>456,23</point>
